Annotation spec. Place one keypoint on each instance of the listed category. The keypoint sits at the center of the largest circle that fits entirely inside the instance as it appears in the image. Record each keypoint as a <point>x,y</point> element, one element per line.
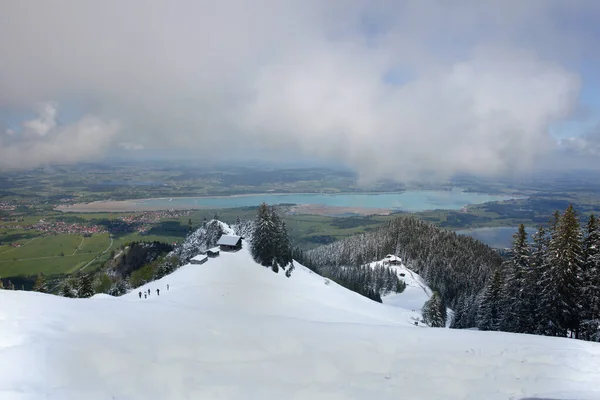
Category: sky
<point>392,89</point>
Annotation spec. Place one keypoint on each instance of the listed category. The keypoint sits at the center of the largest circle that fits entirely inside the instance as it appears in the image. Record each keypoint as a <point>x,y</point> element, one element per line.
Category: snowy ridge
<point>415,295</point>
<point>201,239</point>
<point>231,329</point>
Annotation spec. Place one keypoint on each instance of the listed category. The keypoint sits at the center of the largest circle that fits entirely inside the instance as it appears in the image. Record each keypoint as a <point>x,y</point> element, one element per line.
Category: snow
<point>413,297</point>
<point>235,330</point>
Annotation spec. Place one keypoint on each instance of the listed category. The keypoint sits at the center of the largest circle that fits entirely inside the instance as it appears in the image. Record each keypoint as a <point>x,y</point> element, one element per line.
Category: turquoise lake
<point>411,201</point>
<point>498,237</point>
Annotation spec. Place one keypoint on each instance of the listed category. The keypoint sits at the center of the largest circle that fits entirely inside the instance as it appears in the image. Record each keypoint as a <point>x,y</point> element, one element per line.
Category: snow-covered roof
<point>229,240</point>
<point>390,257</point>
<point>214,250</point>
<point>200,257</point>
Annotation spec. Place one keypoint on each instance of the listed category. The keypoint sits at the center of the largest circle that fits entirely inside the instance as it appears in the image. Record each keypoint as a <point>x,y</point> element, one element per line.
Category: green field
<point>94,244</point>
<point>48,246</point>
<point>47,266</point>
<point>43,254</point>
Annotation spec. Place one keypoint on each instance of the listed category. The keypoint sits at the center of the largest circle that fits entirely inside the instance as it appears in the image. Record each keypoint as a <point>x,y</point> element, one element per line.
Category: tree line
<point>548,286</point>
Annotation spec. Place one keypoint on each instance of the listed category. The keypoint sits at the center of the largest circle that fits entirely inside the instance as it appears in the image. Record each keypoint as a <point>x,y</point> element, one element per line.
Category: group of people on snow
<point>146,293</point>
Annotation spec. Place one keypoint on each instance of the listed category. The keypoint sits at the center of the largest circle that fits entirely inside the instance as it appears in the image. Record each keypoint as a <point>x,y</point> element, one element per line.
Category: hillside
<point>231,329</point>
<point>456,266</point>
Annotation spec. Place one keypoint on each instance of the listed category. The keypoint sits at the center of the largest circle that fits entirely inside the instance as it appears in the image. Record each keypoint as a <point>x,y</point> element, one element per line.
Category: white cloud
<point>45,121</point>
<point>484,79</point>
<point>43,141</point>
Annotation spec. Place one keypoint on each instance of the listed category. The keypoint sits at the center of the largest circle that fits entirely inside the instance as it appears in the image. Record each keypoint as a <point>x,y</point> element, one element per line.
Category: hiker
<point>140,295</point>
<point>167,286</point>
<point>148,292</point>
<point>157,292</point>
<point>145,295</point>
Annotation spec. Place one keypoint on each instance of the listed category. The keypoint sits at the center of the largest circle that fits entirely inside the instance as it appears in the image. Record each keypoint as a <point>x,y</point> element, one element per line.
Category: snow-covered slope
<point>231,329</point>
<point>414,296</point>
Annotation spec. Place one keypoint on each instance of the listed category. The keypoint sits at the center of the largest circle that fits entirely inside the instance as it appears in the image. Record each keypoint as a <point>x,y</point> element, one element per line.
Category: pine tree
<point>85,286</point>
<point>284,246</point>
<point>434,311</point>
<point>40,284</point>
<point>120,288</point>
<point>278,237</point>
<point>271,246</point>
<point>590,288</point>
<point>514,311</point>
<point>459,315</point>
<point>263,249</point>
<point>67,289</point>
<point>561,281</point>
<point>535,322</point>
<point>490,313</point>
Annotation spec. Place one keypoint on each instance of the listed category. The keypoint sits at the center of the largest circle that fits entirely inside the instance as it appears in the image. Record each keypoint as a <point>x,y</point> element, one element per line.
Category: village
<point>140,222</point>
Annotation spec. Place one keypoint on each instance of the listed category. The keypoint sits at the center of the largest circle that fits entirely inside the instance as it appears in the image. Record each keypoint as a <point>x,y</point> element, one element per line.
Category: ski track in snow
<point>231,329</point>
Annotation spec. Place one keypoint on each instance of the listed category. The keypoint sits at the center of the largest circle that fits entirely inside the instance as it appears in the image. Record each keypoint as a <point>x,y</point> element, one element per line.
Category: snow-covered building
<point>230,243</point>
<point>391,259</point>
<point>199,259</point>
<point>213,252</point>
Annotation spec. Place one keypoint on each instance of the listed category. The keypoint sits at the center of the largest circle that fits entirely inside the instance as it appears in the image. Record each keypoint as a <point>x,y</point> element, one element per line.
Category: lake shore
<point>119,206</point>
<point>132,206</point>
<point>318,203</point>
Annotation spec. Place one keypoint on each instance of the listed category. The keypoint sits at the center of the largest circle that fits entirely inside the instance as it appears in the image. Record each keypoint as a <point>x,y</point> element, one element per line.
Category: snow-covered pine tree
<point>263,237</point>
<point>490,313</point>
<point>538,265</point>
<point>471,309</point>
<point>561,280</point>
<point>514,300</point>
<point>459,315</point>
<point>590,288</point>
<point>40,284</point>
<point>85,286</point>
<point>120,288</point>
<point>434,311</point>
<point>68,289</point>
<point>281,243</point>
<point>285,246</point>
<point>214,231</point>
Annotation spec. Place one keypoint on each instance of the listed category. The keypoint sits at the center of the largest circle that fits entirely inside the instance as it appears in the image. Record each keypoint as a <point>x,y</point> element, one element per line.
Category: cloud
<point>45,122</point>
<point>476,84</point>
<point>131,146</point>
<point>584,145</point>
<point>43,141</point>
